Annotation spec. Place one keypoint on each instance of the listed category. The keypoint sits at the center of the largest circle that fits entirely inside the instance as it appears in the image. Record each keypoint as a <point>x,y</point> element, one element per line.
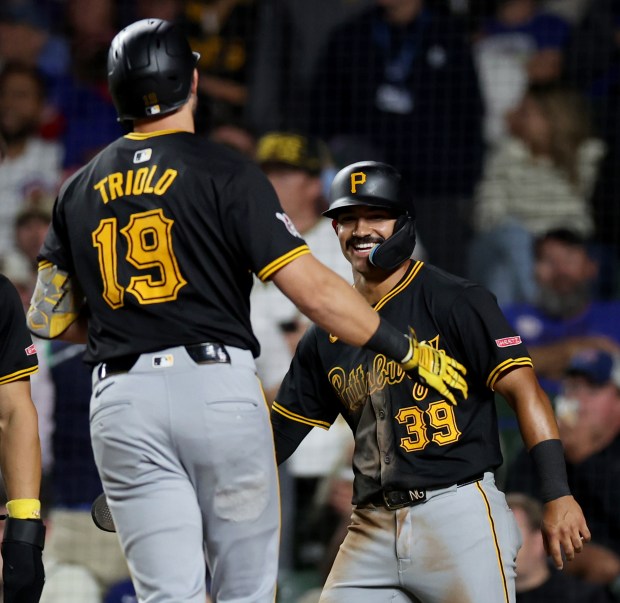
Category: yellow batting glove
<point>435,368</point>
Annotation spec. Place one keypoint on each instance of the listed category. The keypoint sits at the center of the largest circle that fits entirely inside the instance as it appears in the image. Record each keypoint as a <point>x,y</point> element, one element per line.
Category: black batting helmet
<point>375,184</point>
<point>150,68</point>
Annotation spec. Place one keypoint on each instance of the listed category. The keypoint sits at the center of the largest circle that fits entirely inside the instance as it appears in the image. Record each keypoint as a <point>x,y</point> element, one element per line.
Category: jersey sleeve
<point>490,344</point>
<point>258,225</point>
<point>18,357</point>
<point>305,395</point>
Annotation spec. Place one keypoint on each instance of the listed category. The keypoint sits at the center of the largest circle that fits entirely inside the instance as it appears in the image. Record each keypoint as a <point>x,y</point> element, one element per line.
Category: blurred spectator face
<point>564,274</point>
<point>296,188</point>
<point>401,9</point>
<point>21,42</point>
<point>21,106</point>
<point>588,413</point>
<point>91,18</point>
<point>528,123</point>
<point>514,12</point>
<point>293,163</point>
<point>237,138</point>
<point>531,555</point>
<point>30,235</point>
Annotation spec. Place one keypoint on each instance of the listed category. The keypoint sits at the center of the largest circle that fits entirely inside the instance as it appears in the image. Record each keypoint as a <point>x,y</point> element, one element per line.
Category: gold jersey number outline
<point>149,245</point>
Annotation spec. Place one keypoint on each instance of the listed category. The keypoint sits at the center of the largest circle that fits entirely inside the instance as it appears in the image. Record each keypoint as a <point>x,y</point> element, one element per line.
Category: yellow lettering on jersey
<point>129,182</point>
<point>419,391</point>
<point>353,388</point>
<point>135,182</point>
<point>357,178</point>
<point>100,186</point>
<point>115,185</point>
<point>147,186</point>
<point>163,184</point>
<point>138,185</point>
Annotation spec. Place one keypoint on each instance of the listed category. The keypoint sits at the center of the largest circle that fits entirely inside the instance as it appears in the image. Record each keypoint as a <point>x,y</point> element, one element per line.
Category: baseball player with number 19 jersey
<point>152,247</point>
<point>429,524</point>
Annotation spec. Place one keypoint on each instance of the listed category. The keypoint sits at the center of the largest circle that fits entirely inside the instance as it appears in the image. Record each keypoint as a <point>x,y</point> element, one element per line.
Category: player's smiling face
<point>359,229</point>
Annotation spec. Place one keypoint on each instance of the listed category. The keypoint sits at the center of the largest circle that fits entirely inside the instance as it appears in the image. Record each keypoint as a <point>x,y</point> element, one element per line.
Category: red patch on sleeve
<point>30,350</point>
<point>506,342</point>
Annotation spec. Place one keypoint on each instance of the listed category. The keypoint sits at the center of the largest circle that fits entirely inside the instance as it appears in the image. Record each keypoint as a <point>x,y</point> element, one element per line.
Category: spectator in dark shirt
<point>401,77</point>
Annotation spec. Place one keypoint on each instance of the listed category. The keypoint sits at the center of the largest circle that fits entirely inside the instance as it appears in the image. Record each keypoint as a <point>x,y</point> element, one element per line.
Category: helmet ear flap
<point>394,251</point>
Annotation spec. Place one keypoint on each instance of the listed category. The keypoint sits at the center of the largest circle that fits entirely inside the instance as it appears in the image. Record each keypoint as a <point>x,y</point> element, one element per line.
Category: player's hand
<point>564,529</point>
<point>22,572</point>
<point>436,369</point>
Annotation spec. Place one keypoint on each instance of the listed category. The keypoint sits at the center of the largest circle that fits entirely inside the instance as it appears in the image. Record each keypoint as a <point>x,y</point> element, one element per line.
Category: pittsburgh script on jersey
<point>144,180</point>
<point>355,387</point>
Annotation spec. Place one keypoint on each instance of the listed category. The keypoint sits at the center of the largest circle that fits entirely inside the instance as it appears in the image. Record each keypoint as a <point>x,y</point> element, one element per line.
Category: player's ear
<point>335,225</point>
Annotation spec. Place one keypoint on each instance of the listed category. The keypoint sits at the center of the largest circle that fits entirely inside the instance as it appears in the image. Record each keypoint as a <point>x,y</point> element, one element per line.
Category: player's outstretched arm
<point>20,461</point>
<point>334,305</point>
<point>564,526</point>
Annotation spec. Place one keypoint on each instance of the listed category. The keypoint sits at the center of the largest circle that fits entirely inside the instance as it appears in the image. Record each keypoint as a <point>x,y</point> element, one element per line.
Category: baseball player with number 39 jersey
<point>152,248</point>
<point>429,524</point>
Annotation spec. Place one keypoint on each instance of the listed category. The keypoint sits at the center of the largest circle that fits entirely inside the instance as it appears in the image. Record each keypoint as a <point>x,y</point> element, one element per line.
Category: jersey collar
<point>145,135</point>
<point>403,284</point>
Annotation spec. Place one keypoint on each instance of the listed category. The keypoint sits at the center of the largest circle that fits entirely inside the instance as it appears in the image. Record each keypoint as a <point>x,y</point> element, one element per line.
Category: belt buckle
<point>416,496</point>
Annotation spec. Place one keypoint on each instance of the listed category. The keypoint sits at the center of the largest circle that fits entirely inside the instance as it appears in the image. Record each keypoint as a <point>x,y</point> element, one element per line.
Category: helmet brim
<point>339,205</point>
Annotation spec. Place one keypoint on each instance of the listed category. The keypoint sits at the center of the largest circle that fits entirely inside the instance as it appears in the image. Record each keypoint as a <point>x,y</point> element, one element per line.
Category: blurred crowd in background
<point>503,116</point>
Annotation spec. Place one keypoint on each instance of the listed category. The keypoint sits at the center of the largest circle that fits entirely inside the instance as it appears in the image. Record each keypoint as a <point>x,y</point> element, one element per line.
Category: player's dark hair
<point>562,235</point>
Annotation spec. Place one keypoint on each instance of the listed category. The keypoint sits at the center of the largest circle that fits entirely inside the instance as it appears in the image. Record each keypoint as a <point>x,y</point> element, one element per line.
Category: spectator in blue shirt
<point>566,317</point>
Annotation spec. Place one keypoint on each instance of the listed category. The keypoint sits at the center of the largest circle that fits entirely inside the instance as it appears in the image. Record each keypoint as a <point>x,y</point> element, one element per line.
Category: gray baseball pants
<point>459,546</point>
<point>185,453</point>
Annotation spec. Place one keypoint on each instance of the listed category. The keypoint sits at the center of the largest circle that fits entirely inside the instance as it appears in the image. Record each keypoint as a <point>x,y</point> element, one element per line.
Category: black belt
<point>397,499</point>
<point>200,353</point>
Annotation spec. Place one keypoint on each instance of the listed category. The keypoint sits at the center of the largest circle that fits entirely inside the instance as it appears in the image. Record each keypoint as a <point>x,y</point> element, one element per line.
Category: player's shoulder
<point>218,162</point>
<point>446,282</point>
<point>5,285</point>
<point>446,291</point>
<point>11,302</point>
<point>8,291</point>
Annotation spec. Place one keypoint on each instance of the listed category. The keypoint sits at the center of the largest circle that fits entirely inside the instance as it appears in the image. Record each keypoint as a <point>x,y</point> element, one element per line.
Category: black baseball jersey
<point>406,434</point>
<point>18,356</point>
<point>163,232</point>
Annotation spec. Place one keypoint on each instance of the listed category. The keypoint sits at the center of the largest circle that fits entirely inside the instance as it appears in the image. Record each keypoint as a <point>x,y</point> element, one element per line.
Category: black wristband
<point>28,531</point>
<point>548,458</point>
<point>389,341</point>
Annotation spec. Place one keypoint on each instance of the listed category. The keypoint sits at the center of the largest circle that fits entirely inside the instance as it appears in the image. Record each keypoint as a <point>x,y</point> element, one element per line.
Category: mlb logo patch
<point>506,342</point>
<point>30,350</point>
<point>142,155</point>
<point>163,361</point>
